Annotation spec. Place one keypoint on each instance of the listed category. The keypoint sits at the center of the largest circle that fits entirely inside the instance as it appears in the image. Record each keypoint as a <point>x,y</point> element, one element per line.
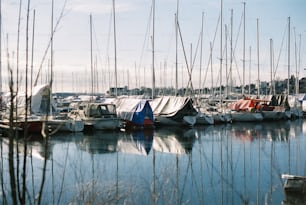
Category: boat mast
<point>221,34</point>
<point>243,60</point>
<point>91,59</point>
<point>226,60</point>
<point>271,65</point>
<point>32,54</point>
<point>0,49</point>
<point>258,79</point>
<point>250,68</point>
<point>299,65</point>
<point>296,64</point>
<point>288,81</point>
<point>201,54</point>
<point>176,48</point>
<point>115,50</point>
<point>153,32</point>
<point>231,58</point>
<point>51,63</point>
<point>51,46</point>
<point>211,71</point>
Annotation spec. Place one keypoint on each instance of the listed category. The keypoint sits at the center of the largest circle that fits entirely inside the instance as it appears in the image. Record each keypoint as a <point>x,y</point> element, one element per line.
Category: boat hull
<point>103,123</point>
<point>246,116</point>
<point>69,125</point>
<point>185,121</point>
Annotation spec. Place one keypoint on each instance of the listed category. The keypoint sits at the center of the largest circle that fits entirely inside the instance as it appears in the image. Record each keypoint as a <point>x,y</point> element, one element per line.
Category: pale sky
<point>72,64</point>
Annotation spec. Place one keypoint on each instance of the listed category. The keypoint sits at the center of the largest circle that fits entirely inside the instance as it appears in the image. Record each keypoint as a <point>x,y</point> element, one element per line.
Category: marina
<point>238,163</point>
<point>158,102</point>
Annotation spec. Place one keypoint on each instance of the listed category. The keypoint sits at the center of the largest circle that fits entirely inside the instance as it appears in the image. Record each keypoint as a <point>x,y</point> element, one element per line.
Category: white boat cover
<point>133,109</point>
<point>169,106</point>
<point>168,144</point>
<point>39,99</point>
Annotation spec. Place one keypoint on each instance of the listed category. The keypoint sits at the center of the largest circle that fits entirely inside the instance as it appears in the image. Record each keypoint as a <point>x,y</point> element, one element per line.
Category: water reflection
<point>174,140</point>
<point>98,142</point>
<point>219,164</point>
<point>279,130</point>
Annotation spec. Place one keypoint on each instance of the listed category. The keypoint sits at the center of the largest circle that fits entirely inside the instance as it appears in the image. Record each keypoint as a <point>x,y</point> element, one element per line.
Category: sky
<point>74,59</point>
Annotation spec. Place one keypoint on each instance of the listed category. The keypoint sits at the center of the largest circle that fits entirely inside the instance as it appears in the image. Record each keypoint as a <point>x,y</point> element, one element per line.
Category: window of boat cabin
<point>111,109</point>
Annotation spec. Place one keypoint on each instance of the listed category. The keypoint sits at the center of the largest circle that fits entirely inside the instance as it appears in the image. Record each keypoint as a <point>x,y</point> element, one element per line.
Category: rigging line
<point>280,51</point>
<point>99,54</point>
<point>225,180</point>
<point>170,43</point>
<point>234,49</point>
<point>62,14</point>
<point>185,178</point>
<point>186,61</point>
<point>107,61</point>
<point>196,51</point>
<point>218,76</point>
<point>213,43</point>
<point>236,64</point>
<point>148,30</point>
<point>194,176</point>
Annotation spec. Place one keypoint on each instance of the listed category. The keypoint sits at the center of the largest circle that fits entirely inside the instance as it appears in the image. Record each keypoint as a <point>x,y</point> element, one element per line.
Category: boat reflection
<point>272,131</point>
<point>98,142</point>
<point>239,163</point>
<point>140,142</point>
<point>137,142</point>
<point>34,148</point>
<point>174,140</point>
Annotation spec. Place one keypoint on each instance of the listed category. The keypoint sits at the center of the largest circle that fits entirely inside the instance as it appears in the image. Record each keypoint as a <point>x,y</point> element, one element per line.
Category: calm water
<point>237,163</point>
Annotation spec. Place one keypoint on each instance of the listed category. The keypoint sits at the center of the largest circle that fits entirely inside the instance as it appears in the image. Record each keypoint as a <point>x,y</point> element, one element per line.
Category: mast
<point>49,111</point>
<point>250,65</point>
<point>243,60</point>
<point>296,64</point>
<point>52,34</point>
<point>91,58</point>
<point>0,49</point>
<point>176,48</point>
<point>271,65</point>
<point>211,71</point>
<point>231,58</point>
<point>32,54</point>
<point>226,65</point>
<point>26,65</point>
<point>258,80</point>
<point>221,34</point>
<point>299,64</point>
<point>201,54</point>
<point>153,33</point>
<point>115,50</point>
<point>288,81</point>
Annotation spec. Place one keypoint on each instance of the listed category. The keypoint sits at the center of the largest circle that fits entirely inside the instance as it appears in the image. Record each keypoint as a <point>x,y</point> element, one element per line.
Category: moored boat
<point>174,111</point>
<point>100,116</point>
<point>135,113</point>
<point>244,110</point>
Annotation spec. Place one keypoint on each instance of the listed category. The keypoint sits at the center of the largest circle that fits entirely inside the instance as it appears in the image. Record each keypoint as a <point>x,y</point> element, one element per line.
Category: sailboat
<point>135,113</point>
<point>294,104</point>
<point>173,110</point>
<point>35,120</point>
<point>97,115</point>
<point>244,110</point>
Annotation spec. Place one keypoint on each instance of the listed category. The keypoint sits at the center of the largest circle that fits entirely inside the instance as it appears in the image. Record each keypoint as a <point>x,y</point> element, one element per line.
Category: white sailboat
<point>173,110</point>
